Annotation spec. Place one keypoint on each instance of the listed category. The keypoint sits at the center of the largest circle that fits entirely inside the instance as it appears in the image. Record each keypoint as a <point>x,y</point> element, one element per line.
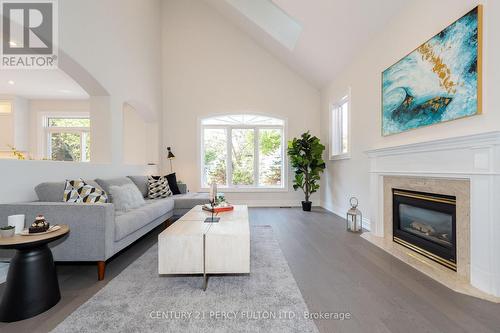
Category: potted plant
<point>7,231</point>
<point>306,157</point>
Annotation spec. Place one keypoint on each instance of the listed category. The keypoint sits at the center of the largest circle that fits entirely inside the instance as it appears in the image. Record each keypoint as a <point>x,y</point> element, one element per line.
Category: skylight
<point>271,19</point>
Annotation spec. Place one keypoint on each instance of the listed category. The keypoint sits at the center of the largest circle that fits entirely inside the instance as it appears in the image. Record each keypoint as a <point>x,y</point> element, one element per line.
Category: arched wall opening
<point>99,108</point>
<point>59,115</point>
<point>19,177</point>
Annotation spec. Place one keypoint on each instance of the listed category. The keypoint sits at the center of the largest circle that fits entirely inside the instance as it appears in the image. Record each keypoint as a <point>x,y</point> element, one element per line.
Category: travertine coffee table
<point>191,246</point>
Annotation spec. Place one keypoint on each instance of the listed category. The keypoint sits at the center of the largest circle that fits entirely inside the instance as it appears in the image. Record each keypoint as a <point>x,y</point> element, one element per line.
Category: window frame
<point>47,131</point>
<point>337,133</point>
<point>229,168</point>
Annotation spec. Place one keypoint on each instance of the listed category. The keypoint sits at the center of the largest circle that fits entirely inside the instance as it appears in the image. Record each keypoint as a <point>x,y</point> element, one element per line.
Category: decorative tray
<point>53,228</point>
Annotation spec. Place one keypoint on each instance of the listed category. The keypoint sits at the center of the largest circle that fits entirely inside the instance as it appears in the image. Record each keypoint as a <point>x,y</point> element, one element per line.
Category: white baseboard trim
<point>270,203</point>
<point>341,212</point>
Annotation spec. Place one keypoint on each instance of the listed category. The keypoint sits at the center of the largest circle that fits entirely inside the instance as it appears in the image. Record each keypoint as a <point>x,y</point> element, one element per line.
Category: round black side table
<point>32,286</point>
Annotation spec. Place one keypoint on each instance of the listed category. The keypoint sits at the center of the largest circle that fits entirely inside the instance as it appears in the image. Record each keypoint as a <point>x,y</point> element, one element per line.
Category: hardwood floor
<point>336,271</point>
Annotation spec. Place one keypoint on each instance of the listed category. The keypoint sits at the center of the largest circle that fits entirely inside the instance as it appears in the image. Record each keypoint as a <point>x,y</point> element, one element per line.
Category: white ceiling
<point>40,84</point>
<point>333,31</point>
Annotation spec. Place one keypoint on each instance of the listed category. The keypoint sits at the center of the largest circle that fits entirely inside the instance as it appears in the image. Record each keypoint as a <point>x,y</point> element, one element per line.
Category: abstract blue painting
<point>437,82</point>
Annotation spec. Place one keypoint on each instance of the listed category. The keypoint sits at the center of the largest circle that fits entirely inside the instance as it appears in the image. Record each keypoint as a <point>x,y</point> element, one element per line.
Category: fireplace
<point>426,224</point>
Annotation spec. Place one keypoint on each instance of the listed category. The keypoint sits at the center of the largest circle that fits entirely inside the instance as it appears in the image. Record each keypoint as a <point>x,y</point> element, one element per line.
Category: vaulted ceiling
<point>333,31</point>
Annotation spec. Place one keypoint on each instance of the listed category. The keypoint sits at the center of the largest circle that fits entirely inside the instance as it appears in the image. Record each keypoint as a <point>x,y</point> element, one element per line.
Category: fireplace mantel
<point>475,158</point>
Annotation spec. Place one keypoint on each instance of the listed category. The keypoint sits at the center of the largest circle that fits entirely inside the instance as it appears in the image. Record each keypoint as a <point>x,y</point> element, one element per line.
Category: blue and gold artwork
<point>437,82</point>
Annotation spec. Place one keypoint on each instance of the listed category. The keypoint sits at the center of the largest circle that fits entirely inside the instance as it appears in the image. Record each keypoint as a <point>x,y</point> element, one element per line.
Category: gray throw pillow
<point>126,197</point>
<point>50,191</point>
<point>106,183</point>
<point>142,184</point>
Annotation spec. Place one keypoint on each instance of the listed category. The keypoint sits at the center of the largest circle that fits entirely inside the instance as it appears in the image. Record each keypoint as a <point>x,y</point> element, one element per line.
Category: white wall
<point>414,25</point>
<point>118,43</point>
<point>140,138</point>
<point>211,67</point>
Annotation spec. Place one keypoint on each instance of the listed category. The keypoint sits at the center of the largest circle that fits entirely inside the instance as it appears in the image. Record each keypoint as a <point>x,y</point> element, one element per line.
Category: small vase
<point>7,233</point>
<point>306,206</point>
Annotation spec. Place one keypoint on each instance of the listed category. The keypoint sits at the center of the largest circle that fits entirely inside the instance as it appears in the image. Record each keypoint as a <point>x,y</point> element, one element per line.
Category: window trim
<point>346,98</point>
<point>229,128</point>
<point>46,131</point>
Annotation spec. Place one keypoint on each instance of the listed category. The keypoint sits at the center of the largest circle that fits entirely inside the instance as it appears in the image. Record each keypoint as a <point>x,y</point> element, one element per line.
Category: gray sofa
<point>97,231</point>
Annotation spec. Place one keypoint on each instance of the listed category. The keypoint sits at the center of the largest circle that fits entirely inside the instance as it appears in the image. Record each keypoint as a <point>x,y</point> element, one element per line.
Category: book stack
<point>217,209</point>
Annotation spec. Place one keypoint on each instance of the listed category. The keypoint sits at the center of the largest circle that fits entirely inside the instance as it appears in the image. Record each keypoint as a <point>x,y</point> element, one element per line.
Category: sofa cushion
<point>54,191</point>
<point>182,188</point>
<point>129,222</point>
<point>158,207</point>
<point>106,183</point>
<point>190,199</point>
<point>50,191</point>
<point>142,184</point>
<point>126,197</point>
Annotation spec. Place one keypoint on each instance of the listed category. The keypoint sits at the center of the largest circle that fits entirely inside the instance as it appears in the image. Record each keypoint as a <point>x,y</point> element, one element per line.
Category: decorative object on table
<point>7,231</point>
<point>158,187</point>
<point>218,208</point>
<point>220,199</point>
<point>32,285</point>
<point>170,157</point>
<point>306,158</point>
<point>172,183</point>
<point>39,225</point>
<point>212,197</point>
<point>79,191</point>
<point>437,82</point>
<point>354,218</point>
<point>52,228</point>
<point>220,205</point>
<point>17,221</point>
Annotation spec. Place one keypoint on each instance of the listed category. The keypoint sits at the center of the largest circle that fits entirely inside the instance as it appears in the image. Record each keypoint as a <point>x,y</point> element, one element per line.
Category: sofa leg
<point>101,268</point>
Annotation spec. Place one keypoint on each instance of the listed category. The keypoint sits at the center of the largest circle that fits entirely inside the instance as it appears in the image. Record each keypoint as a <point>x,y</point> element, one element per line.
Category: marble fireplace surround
<point>467,167</point>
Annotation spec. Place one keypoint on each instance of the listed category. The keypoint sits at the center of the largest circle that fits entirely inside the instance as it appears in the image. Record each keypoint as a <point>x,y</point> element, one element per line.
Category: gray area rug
<point>138,300</point>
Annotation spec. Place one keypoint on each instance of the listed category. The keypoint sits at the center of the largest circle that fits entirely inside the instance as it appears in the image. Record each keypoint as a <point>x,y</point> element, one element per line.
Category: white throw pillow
<point>126,197</point>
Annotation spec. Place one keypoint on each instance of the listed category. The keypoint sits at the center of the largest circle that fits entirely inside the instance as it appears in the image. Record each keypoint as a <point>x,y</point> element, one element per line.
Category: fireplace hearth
<point>426,224</point>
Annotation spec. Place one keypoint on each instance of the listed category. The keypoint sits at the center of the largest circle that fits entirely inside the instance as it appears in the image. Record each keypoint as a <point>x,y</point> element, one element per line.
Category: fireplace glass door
<point>425,223</point>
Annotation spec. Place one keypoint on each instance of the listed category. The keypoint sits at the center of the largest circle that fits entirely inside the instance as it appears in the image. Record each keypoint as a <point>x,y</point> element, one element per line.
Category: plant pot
<point>7,232</point>
<point>306,206</point>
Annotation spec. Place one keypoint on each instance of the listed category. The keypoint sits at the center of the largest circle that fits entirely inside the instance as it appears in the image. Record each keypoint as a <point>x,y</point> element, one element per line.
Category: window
<point>339,129</point>
<point>243,151</point>
<point>67,138</point>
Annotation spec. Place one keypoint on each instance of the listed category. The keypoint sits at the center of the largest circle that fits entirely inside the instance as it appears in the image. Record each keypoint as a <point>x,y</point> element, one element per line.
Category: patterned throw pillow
<point>158,187</point>
<point>80,192</point>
